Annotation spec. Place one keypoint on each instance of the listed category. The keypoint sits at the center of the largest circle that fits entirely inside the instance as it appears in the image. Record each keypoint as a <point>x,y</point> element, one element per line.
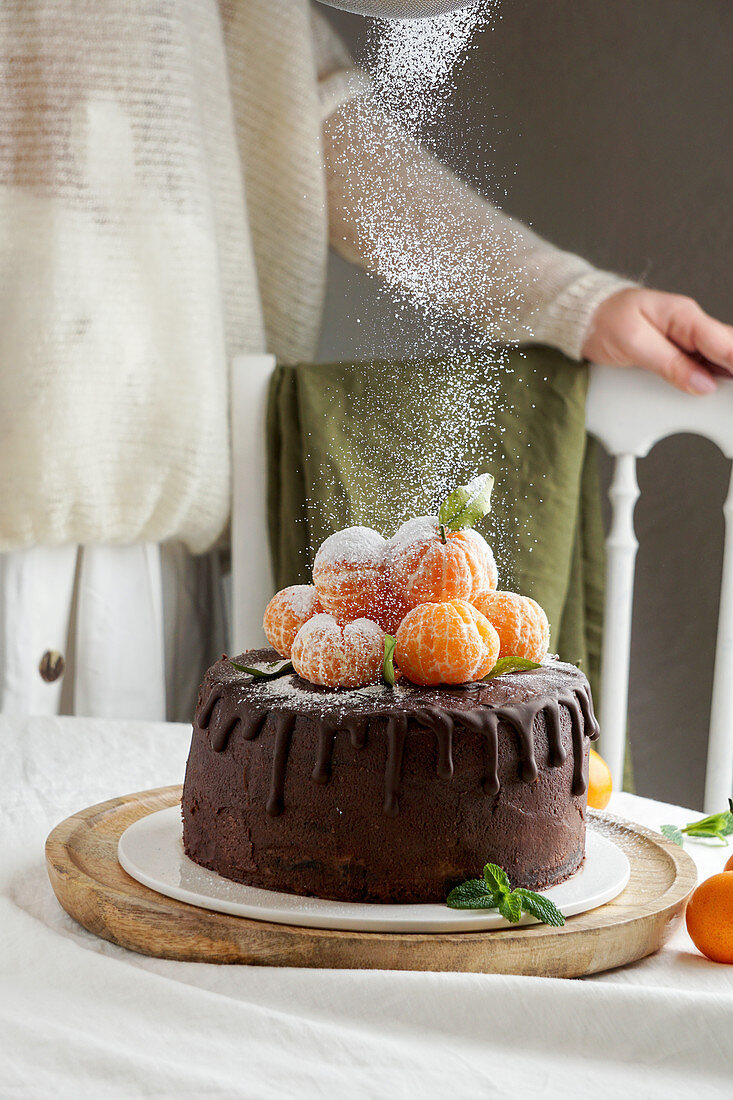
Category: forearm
<point>396,210</point>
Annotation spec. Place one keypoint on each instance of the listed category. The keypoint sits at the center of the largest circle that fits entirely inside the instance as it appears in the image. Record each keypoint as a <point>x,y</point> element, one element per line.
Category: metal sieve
<point>399,9</point>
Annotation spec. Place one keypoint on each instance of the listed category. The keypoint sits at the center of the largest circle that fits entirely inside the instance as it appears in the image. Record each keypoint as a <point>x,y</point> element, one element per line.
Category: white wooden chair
<point>628,411</point>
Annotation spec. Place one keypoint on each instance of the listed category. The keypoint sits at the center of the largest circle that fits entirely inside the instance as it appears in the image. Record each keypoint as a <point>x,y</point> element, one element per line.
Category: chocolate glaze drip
<point>396,732</point>
<point>515,700</point>
<point>284,723</point>
<point>322,769</point>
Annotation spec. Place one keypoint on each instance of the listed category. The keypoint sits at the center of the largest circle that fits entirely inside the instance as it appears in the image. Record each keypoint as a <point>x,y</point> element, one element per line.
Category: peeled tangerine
<point>446,643</point>
<point>348,572</point>
<point>286,612</point>
<point>425,569</point>
<point>334,654</point>
<point>520,622</point>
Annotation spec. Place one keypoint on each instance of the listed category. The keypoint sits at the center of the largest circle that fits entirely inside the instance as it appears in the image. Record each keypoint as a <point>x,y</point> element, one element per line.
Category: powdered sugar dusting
<point>413,533</point>
<point>301,599</point>
<point>287,690</point>
<point>356,545</point>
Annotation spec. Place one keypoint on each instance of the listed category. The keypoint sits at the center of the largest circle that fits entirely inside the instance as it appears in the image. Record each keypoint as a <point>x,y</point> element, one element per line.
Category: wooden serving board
<point>81,855</point>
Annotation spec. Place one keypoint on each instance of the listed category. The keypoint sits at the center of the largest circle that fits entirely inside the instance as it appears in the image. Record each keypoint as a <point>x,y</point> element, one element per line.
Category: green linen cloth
<point>376,443</point>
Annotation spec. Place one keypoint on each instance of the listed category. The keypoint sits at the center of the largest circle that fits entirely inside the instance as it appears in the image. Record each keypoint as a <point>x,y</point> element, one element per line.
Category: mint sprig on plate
<point>269,672</point>
<point>714,827</point>
<point>466,505</point>
<point>494,891</point>
<point>510,664</point>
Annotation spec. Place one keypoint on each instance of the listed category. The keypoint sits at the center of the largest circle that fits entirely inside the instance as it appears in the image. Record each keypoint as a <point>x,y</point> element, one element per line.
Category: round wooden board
<point>81,855</point>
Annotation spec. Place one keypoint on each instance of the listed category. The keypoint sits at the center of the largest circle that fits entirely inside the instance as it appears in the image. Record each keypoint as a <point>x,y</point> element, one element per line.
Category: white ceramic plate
<point>151,851</point>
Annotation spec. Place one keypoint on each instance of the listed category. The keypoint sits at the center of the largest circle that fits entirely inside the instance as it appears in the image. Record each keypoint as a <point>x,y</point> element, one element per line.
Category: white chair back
<point>629,412</point>
<point>252,579</point>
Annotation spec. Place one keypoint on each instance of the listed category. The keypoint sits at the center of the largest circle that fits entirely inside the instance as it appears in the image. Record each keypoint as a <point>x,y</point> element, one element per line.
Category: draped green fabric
<point>366,443</point>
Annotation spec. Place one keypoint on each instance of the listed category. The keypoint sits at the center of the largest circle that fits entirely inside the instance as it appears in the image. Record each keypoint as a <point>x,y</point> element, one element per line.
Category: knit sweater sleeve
<point>397,210</point>
<point>338,80</point>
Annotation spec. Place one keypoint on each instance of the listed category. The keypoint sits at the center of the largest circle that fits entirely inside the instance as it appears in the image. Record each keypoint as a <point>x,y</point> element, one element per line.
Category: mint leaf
<point>510,664</point>
<point>673,833</point>
<point>277,668</point>
<point>388,662</point>
<point>493,892</point>
<point>497,880</point>
<point>510,907</point>
<point>540,907</point>
<point>467,504</point>
<point>472,895</point>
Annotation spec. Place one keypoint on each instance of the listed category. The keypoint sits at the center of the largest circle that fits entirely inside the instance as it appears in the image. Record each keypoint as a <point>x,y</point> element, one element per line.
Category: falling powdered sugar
<point>442,268</point>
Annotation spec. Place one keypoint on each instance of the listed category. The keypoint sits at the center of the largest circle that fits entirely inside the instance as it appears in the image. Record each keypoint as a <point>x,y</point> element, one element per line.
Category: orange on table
<point>335,654</point>
<point>520,622</point>
<point>348,572</point>
<point>600,785</point>
<point>445,643</point>
<point>424,569</point>
<point>286,612</point>
<point>710,917</point>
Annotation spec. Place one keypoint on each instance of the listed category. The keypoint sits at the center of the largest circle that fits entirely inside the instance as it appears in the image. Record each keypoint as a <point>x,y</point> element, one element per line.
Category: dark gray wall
<point>609,123</point>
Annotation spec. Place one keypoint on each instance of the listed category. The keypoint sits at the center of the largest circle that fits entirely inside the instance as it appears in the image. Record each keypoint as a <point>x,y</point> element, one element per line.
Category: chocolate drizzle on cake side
<point>232,700</point>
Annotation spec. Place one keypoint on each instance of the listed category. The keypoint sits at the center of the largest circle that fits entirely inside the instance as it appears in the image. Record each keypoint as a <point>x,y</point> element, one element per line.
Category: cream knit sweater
<point>163,206</point>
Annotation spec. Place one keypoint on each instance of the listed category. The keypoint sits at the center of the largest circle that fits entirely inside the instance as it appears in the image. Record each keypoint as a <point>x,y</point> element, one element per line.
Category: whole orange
<point>710,917</point>
<point>599,781</point>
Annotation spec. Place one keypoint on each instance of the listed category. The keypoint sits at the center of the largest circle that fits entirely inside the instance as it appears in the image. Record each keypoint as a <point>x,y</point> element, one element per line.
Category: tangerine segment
<point>348,572</point>
<point>600,786</point>
<point>286,612</point>
<point>427,570</point>
<point>710,917</point>
<point>520,622</point>
<point>446,643</point>
<point>335,654</point>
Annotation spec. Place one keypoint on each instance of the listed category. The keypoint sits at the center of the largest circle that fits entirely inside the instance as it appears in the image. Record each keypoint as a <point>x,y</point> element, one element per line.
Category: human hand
<point>665,333</point>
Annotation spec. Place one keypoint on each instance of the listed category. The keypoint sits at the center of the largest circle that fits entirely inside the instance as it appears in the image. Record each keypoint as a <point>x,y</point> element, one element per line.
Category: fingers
<point>692,329</point>
<point>712,339</point>
<point>653,351</point>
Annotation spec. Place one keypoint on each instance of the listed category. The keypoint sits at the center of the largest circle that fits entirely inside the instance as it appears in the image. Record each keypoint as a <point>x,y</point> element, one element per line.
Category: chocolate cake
<point>388,794</point>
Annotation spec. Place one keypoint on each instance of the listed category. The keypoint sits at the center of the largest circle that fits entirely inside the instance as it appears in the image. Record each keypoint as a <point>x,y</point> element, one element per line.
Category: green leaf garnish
<point>541,907</point>
<point>674,834</point>
<point>467,504</point>
<point>472,895</point>
<point>713,827</point>
<point>388,662</point>
<point>510,907</point>
<point>271,672</point>
<point>493,891</point>
<point>510,664</point>
<point>497,880</point>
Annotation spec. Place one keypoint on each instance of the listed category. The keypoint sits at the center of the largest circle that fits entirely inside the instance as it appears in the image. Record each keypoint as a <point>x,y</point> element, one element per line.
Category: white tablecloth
<point>80,1017</point>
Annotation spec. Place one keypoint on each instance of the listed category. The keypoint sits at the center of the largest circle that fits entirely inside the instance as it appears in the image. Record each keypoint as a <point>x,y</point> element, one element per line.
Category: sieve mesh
<point>399,9</point>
